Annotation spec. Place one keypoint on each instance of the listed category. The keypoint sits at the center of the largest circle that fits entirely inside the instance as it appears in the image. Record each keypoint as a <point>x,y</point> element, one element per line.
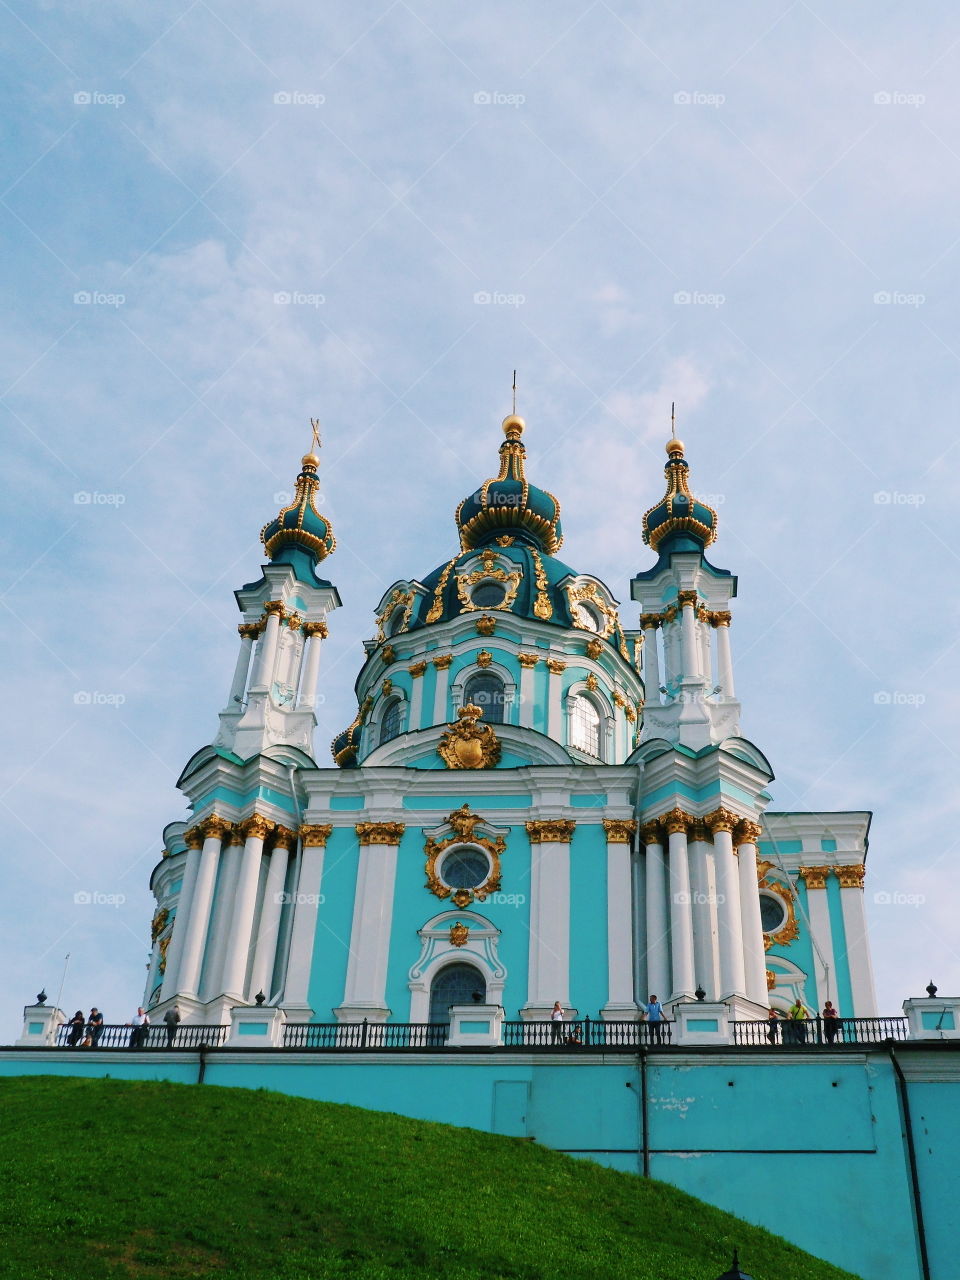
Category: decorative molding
<point>747,832</point>
<point>464,823</point>
<point>789,930</point>
<point>650,832</point>
<point>315,834</point>
<point>650,620</point>
<point>484,658</point>
<point>699,832</point>
<point>294,621</point>
<point>399,599</point>
<point>214,825</point>
<point>815,877</point>
<point>850,877</point>
<point>417,669</point>
<point>489,573</point>
<point>442,661</point>
<point>436,608</point>
<point>486,625</point>
<point>685,598</point>
<point>593,648</point>
<point>380,832</point>
<point>556,666</point>
<point>722,820</point>
<point>551,830</point>
<point>677,821</point>
<point>389,655</point>
<point>284,838</point>
<point>467,744</point>
<point>256,826</point>
<point>619,830</point>
<point>459,934</point>
<point>250,630</point>
<point>386,688</point>
<point>528,659</point>
<point>721,618</point>
<point>193,838</point>
<point>274,606</point>
<point>590,593</point>
<point>316,629</point>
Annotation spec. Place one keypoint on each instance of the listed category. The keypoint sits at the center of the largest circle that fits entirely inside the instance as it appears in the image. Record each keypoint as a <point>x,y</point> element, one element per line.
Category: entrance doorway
<point>456,984</point>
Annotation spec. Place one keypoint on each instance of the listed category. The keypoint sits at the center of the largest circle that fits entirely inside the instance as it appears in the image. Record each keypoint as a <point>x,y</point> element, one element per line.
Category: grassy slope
<point>108,1179</point>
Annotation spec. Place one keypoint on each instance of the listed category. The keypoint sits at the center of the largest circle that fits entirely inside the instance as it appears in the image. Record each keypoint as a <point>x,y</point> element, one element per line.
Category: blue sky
<point>750,212</point>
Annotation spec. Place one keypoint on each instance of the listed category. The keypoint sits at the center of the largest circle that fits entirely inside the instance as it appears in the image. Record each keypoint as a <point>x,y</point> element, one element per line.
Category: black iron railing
<point>158,1037</point>
<point>587,1033</point>
<point>365,1035</point>
<point>820,1031</point>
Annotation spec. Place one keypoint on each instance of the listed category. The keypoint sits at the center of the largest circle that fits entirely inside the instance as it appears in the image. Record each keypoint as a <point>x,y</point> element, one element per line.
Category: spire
<point>299,527</point>
<point>678,516</point>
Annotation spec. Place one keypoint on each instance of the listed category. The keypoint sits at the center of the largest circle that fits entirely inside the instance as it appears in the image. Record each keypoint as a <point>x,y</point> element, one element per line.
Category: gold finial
<point>513,424</point>
<point>673,444</point>
<point>313,456</point>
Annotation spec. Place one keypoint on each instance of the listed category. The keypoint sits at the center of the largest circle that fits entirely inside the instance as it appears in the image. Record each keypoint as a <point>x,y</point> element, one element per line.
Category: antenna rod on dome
<point>673,419</point>
<point>315,424</point>
<point>514,391</point>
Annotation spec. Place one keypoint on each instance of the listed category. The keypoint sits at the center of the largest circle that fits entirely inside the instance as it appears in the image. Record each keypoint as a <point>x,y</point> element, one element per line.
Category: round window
<point>584,615</point>
<point>488,595</point>
<point>773,913</point>
<point>466,867</point>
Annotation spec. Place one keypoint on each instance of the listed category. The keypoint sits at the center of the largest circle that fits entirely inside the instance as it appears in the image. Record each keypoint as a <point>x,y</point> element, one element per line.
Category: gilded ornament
<point>380,832</point>
<point>256,826</point>
<point>699,832</point>
<point>274,606</point>
<point>650,832</point>
<point>214,825</point>
<point>629,712</point>
<point>193,838</point>
<point>669,614</point>
<point>618,699</point>
<point>510,581</point>
<point>747,832</point>
<point>850,877</point>
<point>551,830</point>
<point>399,600</point>
<point>467,744</point>
<point>459,934</point>
<point>294,621</point>
<point>320,628</point>
<point>436,608</point>
<point>464,824</point>
<point>250,630</point>
<point>484,658</point>
<point>417,669</point>
<point>164,944</point>
<point>389,655</point>
<point>619,830</point>
<point>462,898</point>
<point>159,923</point>
<point>685,598</point>
<point>284,838</point>
<point>315,834</point>
<point>442,661</point>
<point>505,540</point>
<point>593,648</point>
<point>555,666</point>
<point>528,659</point>
<point>486,625</point>
<point>542,606</point>
<point>591,682</point>
<point>789,930</point>
<point>722,618</point>
<point>386,688</point>
<point>771,979</point>
<point>815,877</point>
<point>677,821</point>
<point>648,620</point>
<point>722,820</point>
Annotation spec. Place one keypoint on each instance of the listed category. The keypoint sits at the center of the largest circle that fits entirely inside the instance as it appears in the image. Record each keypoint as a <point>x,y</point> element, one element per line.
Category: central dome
<point>508,506</point>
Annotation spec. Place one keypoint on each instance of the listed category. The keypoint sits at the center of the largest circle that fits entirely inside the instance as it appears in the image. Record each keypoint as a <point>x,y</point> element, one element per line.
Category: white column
<point>239,686</point>
<point>855,940</point>
<point>724,661</point>
<point>651,660</point>
<point>729,923</point>
<point>549,957</point>
<point>658,926</point>
<point>314,633</point>
<point>528,662</point>
<point>681,914</point>
<point>219,931</point>
<point>306,905</point>
<point>416,695</point>
<point>671,656</point>
<point>818,909</point>
<point>703,889</point>
<point>621,999</point>
<point>265,951</point>
<point>365,993</point>
<point>181,922</point>
<point>255,830</point>
<point>556,668</point>
<point>441,712</point>
<point>704,634</point>
<point>188,981</point>
<point>267,657</point>
<point>754,955</point>
<point>689,649</point>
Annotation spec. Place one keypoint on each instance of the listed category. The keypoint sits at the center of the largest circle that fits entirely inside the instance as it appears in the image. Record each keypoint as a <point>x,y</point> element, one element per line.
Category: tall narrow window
<point>485,690</point>
<point>585,726</point>
<point>392,721</point>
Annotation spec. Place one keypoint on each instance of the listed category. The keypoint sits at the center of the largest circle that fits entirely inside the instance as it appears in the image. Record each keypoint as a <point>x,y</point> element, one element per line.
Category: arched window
<point>392,721</point>
<point>488,595</point>
<point>464,867</point>
<point>485,690</point>
<point>585,726</point>
<point>456,984</point>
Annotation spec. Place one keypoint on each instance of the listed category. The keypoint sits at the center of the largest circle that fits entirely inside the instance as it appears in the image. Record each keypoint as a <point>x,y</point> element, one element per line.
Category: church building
<point>543,796</point>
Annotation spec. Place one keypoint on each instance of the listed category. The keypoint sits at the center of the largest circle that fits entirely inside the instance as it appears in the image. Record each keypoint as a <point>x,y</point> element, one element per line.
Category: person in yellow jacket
<point>797,1016</point>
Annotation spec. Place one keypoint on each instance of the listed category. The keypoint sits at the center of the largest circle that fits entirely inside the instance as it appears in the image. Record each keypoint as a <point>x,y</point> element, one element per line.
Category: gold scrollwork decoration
<point>459,934</point>
<point>510,581</point>
<point>399,600</point>
<point>467,744</point>
<point>486,626</point>
<point>542,605</point>
<point>850,877</point>
<point>789,930</point>
<point>436,608</point>
<point>159,923</point>
<point>464,824</point>
<point>551,830</point>
<point>619,830</point>
<point>380,832</point>
<point>590,593</point>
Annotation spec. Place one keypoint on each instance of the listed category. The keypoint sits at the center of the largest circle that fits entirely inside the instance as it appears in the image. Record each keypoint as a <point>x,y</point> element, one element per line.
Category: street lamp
<point>735,1273</point>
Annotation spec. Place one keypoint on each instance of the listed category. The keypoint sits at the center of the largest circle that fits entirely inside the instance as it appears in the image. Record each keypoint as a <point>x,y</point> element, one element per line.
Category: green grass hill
<point>104,1178</point>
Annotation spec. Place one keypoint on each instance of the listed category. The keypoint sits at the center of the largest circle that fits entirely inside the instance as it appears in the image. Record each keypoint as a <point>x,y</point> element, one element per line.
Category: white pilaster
<point>555,667</point>
<point>267,656</point>
<point>265,952</point>
<point>549,957</point>
<point>689,649</point>
<point>651,661</point>
<point>658,927</point>
<point>703,890</point>
<point>220,917</point>
<point>621,998</point>
<point>239,686</point>
<point>855,941</point>
<point>255,830</point>
<point>526,690</point>
<point>314,633</point>
<point>306,905</point>
<point>818,910</point>
<point>724,660</point>
<point>171,973</point>
<point>754,955</point>
<point>729,922</point>
<point>416,695</point>
<point>188,979</point>
<point>440,709</point>
<point>681,914</point>
<point>365,993</point>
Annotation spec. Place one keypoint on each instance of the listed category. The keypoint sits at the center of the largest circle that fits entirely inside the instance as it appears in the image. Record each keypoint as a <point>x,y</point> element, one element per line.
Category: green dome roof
<point>508,506</point>
<point>679,522</point>
<point>300,527</point>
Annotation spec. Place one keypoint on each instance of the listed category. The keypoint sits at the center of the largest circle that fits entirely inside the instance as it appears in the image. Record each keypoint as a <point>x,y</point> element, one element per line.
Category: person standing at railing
<point>171,1020</point>
<point>94,1027</point>
<point>653,1012</point>
<point>831,1022</point>
<point>773,1026</point>
<point>141,1024</point>
<point>76,1029</point>
<point>797,1022</point>
<point>556,1023</point>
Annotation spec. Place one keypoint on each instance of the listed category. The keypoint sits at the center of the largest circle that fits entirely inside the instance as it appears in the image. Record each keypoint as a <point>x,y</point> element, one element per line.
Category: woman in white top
<point>556,1018</point>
